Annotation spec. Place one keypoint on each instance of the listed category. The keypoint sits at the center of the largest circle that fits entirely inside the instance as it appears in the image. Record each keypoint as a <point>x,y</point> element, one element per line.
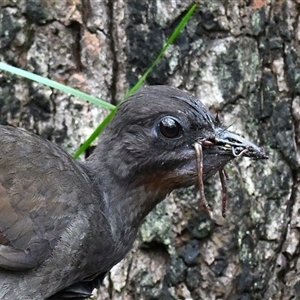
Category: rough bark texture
<point>242,59</point>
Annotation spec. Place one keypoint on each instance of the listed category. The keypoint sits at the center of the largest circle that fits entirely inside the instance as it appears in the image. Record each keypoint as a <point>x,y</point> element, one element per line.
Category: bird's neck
<point>129,197</point>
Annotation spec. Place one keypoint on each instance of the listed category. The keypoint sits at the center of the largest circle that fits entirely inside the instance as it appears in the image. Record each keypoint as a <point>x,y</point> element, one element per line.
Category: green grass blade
<point>171,39</point>
<point>95,134</point>
<point>95,100</point>
<point>56,85</point>
<point>174,34</point>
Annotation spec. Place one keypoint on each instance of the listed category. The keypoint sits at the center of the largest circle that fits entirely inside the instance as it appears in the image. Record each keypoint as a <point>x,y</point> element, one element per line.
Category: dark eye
<point>170,128</point>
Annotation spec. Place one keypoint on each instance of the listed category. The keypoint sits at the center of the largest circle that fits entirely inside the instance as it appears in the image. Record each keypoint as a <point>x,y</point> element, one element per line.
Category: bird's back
<point>49,211</point>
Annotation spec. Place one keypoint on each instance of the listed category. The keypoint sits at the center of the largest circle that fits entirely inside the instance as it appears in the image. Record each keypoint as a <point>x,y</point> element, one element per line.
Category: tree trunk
<point>242,60</point>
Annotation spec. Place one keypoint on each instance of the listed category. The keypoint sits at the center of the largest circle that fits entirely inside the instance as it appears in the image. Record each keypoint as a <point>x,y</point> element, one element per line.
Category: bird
<point>65,223</point>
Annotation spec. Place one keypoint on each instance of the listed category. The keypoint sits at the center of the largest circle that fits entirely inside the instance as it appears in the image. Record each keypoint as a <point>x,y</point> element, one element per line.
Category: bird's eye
<point>170,128</point>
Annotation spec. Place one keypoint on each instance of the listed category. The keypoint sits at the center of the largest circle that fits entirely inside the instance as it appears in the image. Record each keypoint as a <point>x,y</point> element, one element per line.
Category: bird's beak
<point>231,143</point>
<point>219,150</point>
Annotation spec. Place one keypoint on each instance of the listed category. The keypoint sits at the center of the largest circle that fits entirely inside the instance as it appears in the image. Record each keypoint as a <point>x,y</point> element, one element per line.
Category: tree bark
<point>242,60</point>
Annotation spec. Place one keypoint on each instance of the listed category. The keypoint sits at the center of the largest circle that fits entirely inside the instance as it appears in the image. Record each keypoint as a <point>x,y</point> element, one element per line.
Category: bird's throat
<point>128,200</point>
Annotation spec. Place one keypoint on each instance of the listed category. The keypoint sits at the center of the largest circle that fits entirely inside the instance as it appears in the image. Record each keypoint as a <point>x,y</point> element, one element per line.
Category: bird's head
<point>151,140</point>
